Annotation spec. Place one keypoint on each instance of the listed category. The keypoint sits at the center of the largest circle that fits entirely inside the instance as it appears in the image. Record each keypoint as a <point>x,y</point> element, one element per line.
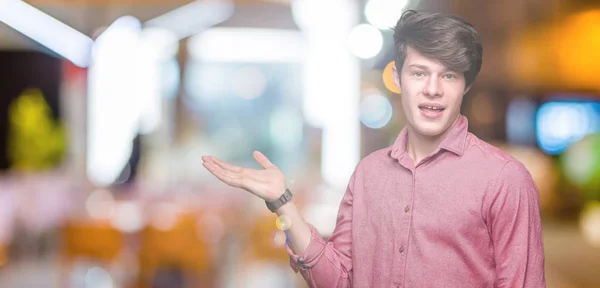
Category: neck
<point>419,146</point>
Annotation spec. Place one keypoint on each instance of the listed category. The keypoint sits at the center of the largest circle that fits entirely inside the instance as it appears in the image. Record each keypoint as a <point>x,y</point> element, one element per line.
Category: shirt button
<point>406,209</point>
<point>401,249</point>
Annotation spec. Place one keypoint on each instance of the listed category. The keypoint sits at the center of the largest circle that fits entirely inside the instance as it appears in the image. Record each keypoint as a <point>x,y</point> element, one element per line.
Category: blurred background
<point>107,106</point>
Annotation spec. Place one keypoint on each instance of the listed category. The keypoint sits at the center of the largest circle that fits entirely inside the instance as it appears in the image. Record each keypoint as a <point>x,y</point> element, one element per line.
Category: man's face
<point>431,94</point>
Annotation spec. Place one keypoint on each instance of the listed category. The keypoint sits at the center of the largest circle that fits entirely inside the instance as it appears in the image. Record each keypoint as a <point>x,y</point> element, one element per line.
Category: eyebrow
<point>423,67</point>
<point>419,66</point>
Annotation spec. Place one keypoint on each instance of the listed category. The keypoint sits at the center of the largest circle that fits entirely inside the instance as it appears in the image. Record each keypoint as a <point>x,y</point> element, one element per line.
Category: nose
<point>433,87</point>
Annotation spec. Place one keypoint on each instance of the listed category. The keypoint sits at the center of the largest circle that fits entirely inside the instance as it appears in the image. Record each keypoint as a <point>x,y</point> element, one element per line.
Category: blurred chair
<point>262,245</point>
<point>94,241</point>
<point>177,248</point>
<point>265,262</point>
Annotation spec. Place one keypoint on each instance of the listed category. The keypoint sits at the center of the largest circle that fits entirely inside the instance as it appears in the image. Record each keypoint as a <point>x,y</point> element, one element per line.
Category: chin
<point>430,129</point>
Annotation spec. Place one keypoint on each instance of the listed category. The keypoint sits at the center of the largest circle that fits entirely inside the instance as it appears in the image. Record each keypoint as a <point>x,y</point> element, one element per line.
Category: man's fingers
<point>254,181</point>
<point>242,172</point>
<point>227,166</point>
<point>262,160</point>
<point>228,178</point>
<point>245,173</point>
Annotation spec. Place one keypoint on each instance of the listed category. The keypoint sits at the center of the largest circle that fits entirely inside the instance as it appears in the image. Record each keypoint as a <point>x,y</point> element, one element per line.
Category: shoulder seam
<point>478,145</point>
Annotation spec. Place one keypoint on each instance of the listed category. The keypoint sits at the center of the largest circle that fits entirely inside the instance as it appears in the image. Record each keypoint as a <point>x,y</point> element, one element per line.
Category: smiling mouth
<point>425,107</point>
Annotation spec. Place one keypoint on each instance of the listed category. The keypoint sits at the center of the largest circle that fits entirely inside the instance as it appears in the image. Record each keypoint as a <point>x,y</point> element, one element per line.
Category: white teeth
<point>432,108</point>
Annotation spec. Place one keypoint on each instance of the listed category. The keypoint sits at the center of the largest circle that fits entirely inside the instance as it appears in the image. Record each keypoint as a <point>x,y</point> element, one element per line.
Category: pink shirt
<point>466,216</point>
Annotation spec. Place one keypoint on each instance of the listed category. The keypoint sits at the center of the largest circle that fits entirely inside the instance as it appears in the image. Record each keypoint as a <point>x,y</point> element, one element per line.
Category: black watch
<point>276,204</point>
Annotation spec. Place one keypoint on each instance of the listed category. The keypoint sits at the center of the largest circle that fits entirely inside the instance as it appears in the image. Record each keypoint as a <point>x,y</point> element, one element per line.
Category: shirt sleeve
<point>515,227</point>
<point>329,263</point>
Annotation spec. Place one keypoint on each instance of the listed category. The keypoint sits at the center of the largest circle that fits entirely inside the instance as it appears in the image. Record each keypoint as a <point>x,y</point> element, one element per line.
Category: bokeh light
<point>581,164</point>
<point>590,223</point>
<point>365,41</point>
<point>232,136</point>
<point>128,217</point>
<point>286,127</point>
<point>171,79</point>
<point>576,61</point>
<point>115,104</point>
<point>204,82</point>
<point>384,14</point>
<point>388,78</point>
<point>100,205</point>
<point>250,83</point>
<point>97,277</point>
<point>375,111</point>
<point>278,238</point>
<point>559,124</point>
<point>165,216</point>
<point>211,227</point>
<point>283,222</point>
<point>247,45</point>
<point>520,121</point>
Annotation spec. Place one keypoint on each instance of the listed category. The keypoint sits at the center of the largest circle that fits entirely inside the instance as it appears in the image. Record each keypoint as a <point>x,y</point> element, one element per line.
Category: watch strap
<point>276,204</point>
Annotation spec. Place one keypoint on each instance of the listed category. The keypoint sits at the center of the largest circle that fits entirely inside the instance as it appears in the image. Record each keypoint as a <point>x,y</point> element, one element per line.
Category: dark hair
<point>447,38</point>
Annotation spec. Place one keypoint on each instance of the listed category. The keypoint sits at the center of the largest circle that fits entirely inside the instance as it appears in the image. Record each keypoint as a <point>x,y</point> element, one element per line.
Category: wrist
<point>274,197</point>
<point>286,208</point>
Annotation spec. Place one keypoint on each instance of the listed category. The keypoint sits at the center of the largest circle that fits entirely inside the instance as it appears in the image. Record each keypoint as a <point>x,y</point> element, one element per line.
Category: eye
<point>450,76</point>
<point>418,74</point>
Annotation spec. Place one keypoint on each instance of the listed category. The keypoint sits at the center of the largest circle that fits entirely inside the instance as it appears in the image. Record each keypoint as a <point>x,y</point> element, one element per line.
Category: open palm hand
<point>267,184</point>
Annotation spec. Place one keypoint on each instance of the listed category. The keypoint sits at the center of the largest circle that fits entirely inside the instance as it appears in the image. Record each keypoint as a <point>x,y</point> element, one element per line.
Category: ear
<point>396,77</point>
<point>467,90</point>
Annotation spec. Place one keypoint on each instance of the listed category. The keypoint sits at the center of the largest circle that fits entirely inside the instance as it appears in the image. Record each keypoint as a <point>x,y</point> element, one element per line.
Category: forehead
<point>413,57</point>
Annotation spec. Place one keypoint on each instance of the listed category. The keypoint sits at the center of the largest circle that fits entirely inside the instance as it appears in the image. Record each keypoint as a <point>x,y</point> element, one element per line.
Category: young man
<point>438,208</point>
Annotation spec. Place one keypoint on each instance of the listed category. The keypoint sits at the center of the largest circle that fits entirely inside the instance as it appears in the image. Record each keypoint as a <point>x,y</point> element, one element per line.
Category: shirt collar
<point>454,141</point>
